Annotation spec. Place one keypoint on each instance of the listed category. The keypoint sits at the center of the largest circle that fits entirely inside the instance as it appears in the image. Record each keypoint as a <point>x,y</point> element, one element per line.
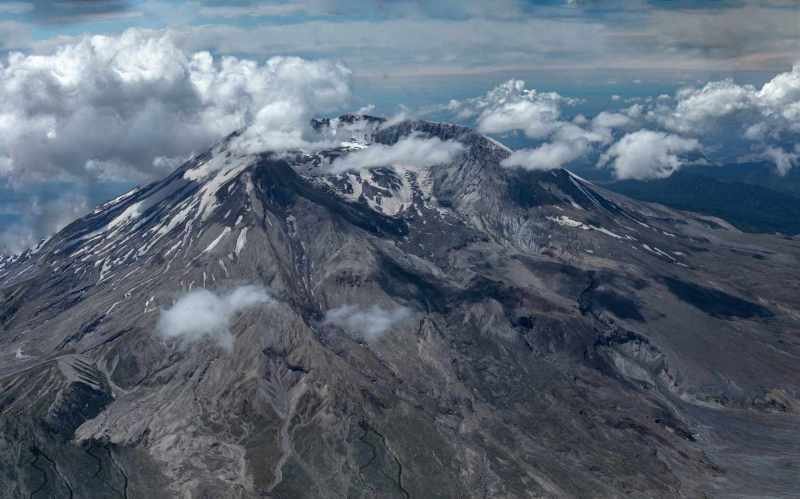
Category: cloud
<point>442,9</point>
<point>15,8</point>
<point>608,121</point>
<point>727,120</point>
<point>570,141</point>
<point>80,11</point>
<point>404,35</point>
<point>14,35</point>
<point>125,109</point>
<point>748,34</point>
<point>725,106</point>
<point>36,216</point>
<point>109,106</point>
<point>701,110</point>
<point>405,45</point>
<point>732,120</point>
<point>544,157</point>
<point>784,161</point>
<point>647,154</point>
<point>410,151</point>
<point>205,314</point>
<point>509,107</point>
<point>366,323</point>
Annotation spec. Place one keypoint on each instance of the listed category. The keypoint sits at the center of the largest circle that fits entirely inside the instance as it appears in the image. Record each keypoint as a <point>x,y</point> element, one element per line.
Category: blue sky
<point>400,56</point>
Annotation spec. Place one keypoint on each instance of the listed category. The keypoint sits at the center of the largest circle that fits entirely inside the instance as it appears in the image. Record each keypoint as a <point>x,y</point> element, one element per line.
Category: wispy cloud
<point>80,11</point>
<point>14,35</point>
<point>367,323</point>
<point>206,314</point>
<point>15,8</point>
<point>410,151</point>
<point>259,10</point>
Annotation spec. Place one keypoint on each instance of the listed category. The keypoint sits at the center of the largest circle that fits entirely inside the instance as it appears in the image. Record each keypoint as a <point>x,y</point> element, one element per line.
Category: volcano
<point>460,330</point>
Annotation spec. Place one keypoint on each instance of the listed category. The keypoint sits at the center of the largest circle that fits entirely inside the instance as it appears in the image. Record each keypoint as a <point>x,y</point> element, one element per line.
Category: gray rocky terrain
<point>464,330</point>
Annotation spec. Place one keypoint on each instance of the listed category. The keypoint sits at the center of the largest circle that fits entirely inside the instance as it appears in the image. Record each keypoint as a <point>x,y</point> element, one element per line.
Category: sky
<point>97,96</point>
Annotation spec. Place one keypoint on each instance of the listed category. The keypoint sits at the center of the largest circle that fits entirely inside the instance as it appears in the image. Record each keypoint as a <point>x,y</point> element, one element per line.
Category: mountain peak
<point>456,299</point>
<point>225,185</point>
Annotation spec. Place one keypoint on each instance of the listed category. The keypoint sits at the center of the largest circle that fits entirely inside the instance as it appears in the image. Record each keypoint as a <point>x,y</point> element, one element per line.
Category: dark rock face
<point>85,394</point>
<point>714,302</point>
<point>555,340</point>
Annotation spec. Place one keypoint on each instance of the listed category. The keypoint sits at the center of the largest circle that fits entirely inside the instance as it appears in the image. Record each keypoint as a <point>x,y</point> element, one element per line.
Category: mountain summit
<point>270,325</point>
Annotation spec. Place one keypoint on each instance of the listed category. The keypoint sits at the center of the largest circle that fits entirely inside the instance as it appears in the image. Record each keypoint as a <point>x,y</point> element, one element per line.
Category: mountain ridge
<point>553,334</point>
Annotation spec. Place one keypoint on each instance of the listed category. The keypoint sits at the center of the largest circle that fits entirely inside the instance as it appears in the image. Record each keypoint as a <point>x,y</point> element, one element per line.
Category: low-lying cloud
<point>646,154</point>
<point>366,323</point>
<point>203,314</point>
<point>410,151</point>
<point>512,108</point>
<point>738,120</point>
<point>545,157</point>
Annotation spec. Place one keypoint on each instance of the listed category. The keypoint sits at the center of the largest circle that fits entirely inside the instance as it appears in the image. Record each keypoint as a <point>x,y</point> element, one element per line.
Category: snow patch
<point>241,240</point>
<point>216,241</point>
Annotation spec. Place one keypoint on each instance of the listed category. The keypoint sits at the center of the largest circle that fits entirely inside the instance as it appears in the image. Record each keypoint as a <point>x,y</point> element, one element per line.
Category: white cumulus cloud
<point>366,323</point>
<point>740,118</point>
<point>124,101</point>
<point>545,157</point>
<point>205,314</point>
<point>647,154</point>
<point>129,108</point>
<point>510,106</point>
<point>411,151</point>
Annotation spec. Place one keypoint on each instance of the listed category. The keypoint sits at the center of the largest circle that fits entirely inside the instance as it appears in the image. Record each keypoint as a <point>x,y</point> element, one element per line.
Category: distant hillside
<point>757,173</point>
<point>750,207</point>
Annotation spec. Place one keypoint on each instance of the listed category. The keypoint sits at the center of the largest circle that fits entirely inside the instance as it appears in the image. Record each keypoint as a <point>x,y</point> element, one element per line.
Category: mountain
<point>748,206</point>
<point>757,172</point>
<point>463,330</point>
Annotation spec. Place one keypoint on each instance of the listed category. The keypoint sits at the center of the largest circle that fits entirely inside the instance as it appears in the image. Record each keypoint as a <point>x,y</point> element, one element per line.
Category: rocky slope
<point>555,340</point>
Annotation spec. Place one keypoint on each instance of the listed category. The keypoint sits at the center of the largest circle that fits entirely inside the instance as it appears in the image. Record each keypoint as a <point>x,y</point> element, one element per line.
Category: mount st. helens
<point>562,340</point>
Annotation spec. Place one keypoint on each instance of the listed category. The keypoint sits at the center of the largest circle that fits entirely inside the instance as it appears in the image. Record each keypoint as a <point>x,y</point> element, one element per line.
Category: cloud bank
<point>511,107</point>
<point>205,314</point>
<point>725,120</point>
<point>410,151</point>
<point>109,106</point>
<point>730,120</point>
<point>127,109</point>
<point>646,154</point>
<point>366,323</point>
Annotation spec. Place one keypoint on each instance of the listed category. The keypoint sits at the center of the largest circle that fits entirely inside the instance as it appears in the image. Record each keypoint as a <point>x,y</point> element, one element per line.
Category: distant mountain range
<point>750,201</point>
